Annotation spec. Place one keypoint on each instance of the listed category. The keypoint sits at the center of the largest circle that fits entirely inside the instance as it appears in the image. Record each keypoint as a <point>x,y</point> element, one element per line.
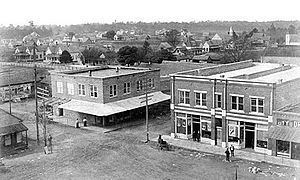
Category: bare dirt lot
<point>92,154</point>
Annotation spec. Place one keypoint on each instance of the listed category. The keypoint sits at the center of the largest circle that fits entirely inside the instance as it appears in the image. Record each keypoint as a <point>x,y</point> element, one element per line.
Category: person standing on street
<point>84,122</point>
<point>76,123</point>
<point>231,150</point>
<point>198,136</point>
<point>50,143</point>
<point>227,154</point>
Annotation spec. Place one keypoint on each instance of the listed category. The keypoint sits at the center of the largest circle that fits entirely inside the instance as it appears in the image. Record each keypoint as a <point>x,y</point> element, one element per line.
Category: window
<point>19,137</point>
<point>7,140</point>
<point>262,140</point>
<point>127,88</point>
<point>218,98</point>
<point>257,105</point>
<point>206,129</point>
<point>94,91</point>
<point>70,88</point>
<point>113,90</point>
<point>283,147</point>
<point>81,89</point>
<point>237,103</point>
<point>139,85</point>
<point>59,87</point>
<point>151,83</point>
<point>184,97</point>
<point>200,98</point>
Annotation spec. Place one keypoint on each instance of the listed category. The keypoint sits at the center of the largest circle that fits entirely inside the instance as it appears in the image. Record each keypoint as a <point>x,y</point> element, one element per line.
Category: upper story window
<point>81,89</point>
<point>184,96</point>
<point>59,87</point>
<point>127,88</point>
<point>113,90</point>
<point>70,88</point>
<point>237,102</point>
<point>139,85</point>
<point>151,83</point>
<point>94,91</point>
<point>200,98</point>
<point>257,104</point>
<point>218,97</point>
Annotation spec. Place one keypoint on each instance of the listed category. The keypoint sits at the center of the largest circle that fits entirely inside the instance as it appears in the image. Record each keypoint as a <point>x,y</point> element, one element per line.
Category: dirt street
<point>91,154</point>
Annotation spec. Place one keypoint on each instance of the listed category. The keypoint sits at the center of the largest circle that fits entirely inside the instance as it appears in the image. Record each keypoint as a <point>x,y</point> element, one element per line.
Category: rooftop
<point>258,67</point>
<point>107,71</point>
<point>250,71</point>
<point>282,76</point>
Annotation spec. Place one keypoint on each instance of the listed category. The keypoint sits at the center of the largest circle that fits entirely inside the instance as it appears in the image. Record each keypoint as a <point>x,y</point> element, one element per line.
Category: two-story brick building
<point>107,94</point>
<point>232,103</point>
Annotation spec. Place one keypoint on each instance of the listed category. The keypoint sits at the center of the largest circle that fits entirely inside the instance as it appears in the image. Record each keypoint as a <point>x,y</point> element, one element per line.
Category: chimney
<point>90,72</point>
<point>222,76</point>
<point>279,81</point>
<point>117,69</point>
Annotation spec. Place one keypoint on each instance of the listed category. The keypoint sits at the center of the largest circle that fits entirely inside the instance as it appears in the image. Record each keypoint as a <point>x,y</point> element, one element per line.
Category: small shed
<point>13,134</point>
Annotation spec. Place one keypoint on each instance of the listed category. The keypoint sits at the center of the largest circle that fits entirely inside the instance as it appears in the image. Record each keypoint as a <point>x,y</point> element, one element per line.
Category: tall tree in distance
<point>110,34</point>
<point>237,46</point>
<point>292,29</point>
<point>172,37</point>
<point>65,57</point>
<point>127,55</point>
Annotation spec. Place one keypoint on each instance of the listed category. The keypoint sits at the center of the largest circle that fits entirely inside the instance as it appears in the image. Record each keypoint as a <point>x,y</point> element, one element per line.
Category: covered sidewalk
<point>112,108</point>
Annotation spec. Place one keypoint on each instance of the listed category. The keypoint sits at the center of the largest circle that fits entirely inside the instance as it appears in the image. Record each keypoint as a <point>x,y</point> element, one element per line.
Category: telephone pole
<point>147,98</point>
<point>36,101</point>
<point>9,91</point>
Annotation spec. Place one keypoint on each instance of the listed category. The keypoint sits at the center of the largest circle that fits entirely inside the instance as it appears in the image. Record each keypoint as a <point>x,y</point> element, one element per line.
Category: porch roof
<point>107,109</point>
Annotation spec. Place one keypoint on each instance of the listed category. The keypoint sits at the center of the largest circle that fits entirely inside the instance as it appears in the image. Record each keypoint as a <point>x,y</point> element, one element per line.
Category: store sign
<point>283,122</point>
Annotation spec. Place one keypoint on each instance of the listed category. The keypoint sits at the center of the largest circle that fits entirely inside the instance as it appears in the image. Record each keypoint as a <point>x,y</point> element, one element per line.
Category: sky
<point>66,12</point>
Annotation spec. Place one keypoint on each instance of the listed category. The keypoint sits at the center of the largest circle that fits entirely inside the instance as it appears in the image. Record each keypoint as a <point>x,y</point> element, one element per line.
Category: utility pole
<point>44,123</point>
<point>36,101</point>
<point>9,91</point>
<point>147,109</point>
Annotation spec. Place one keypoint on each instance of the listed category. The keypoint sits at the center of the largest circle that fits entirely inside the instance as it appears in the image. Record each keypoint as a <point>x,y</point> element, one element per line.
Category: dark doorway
<point>60,112</point>
<point>196,127</point>
<point>249,143</point>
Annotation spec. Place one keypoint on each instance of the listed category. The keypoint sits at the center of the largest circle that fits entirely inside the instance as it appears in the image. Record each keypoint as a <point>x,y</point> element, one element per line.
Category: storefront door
<point>296,151</point>
<point>249,143</point>
<point>249,135</point>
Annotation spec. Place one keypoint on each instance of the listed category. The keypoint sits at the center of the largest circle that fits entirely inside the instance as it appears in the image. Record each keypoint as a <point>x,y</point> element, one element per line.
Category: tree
<point>65,57</point>
<point>127,55</point>
<point>91,55</point>
<point>110,34</point>
<point>173,37</point>
<point>292,29</point>
<point>237,46</point>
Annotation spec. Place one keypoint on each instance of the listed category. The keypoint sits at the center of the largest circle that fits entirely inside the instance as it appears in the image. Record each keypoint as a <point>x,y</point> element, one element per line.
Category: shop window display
<point>181,125</point>
<point>206,129</point>
<point>262,141</point>
<point>283,147</point>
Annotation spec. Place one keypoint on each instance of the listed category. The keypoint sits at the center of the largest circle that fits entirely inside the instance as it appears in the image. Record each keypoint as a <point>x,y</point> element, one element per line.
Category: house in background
<point>292,39</point>
<point>25,53</point>
<point>18,81</point>
<point>13,134</point>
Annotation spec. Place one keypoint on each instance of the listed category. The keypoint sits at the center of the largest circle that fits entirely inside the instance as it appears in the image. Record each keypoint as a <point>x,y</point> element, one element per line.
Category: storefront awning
<point>107,109</point>
<point>284,133</point>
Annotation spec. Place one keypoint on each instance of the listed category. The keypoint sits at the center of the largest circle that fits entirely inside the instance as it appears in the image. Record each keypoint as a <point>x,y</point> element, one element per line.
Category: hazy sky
<point>20,12</point>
